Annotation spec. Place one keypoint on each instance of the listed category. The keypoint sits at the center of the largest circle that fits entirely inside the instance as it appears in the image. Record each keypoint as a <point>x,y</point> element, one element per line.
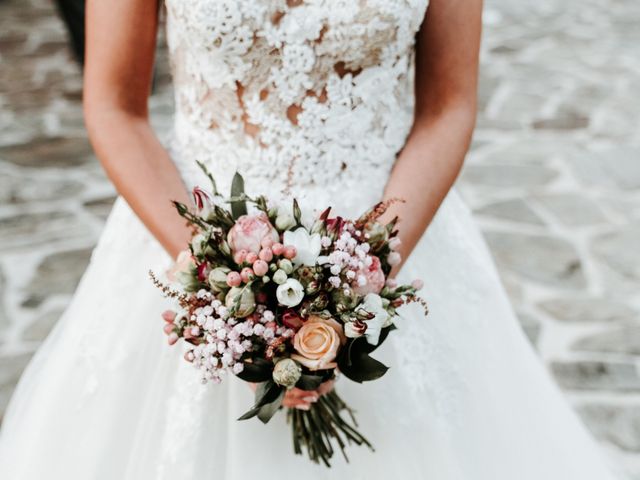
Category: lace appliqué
<point>294,93</point>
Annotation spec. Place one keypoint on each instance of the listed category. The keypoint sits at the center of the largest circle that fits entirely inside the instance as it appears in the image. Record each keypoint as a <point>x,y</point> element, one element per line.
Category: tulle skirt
<point>465,398</point>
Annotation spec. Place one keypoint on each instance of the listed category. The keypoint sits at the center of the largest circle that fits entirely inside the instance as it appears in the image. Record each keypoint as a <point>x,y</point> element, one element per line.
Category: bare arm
<point>446,82</point>
<point>120,46</point>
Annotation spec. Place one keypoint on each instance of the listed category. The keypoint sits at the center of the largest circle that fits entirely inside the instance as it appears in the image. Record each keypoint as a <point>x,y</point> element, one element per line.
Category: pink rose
<point>317,343</point>
<point>249,231</point>
<point>373,277</point>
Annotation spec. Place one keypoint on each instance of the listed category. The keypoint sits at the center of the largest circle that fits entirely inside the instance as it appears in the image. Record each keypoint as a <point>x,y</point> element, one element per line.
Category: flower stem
<point>322,426</point>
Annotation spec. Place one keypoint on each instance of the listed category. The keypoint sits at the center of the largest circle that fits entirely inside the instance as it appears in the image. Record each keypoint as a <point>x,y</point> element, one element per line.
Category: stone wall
<point>553,178</point>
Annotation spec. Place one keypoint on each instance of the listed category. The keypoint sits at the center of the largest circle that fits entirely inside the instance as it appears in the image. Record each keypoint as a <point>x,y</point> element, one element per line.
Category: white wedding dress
<point>312,98</point>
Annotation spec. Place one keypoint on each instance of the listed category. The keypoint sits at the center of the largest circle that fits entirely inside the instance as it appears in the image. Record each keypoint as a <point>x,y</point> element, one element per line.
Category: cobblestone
<point>553,179</point>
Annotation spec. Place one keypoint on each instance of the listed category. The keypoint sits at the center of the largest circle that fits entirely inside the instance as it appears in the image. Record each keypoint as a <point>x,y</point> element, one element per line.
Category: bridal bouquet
<point>263,296</point>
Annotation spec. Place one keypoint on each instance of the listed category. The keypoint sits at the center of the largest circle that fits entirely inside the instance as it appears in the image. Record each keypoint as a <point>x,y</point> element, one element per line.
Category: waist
<point>319,175</point>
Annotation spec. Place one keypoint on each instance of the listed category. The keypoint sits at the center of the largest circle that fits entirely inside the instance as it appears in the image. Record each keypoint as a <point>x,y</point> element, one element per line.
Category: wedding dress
<point>311,98</point>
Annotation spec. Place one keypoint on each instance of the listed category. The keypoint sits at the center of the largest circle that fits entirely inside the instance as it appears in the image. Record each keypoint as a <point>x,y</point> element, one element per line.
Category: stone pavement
<point>553,178</point>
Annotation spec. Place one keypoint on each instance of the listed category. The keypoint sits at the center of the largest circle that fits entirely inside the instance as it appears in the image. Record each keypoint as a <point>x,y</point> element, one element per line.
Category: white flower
<point>285,219</point>
<point>290,293</point>
<point>355,329</point>
<point>307,246</point>
<point>372,304</point>
<point>279,277</point>
<point>287,373</point>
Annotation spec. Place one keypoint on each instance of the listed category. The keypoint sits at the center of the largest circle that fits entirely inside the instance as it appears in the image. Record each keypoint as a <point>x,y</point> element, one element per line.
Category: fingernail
<point>310,398</point>
<point>303,407</point>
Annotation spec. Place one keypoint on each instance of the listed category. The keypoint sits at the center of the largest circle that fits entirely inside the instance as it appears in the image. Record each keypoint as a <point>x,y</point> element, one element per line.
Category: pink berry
<point>189,356</point>
<point>267,242</point>
<point>391,283</point>
<point>417,284</point>
<point>251,257</point>
<point>240,256</point>
<point>277,248</point>
<point>246,274</point>
<point>290,252</point>
<point>173,338</point>
<point>169,316</point>
<point>260,267</point>
<point>168,328</point>
<point>266,254</point>
<point>234,279</point>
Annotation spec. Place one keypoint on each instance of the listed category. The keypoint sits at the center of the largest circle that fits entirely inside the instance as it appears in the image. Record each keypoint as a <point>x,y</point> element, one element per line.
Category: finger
<point>298,393</point>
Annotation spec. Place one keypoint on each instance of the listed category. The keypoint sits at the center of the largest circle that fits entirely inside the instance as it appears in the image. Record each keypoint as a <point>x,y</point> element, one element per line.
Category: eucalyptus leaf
<point>206,171</point>
<point>259,370</point>
<point>266,392</point>
<point>309,382</point>
<point>238,205</point>
<point>269,410</point>
<point>356,364</point>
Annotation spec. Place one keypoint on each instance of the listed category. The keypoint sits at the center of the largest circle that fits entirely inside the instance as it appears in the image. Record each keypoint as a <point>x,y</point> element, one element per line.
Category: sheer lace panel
<point>297,92</point>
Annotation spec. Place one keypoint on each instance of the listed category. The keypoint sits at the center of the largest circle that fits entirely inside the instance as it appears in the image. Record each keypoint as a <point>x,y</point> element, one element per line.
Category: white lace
<point>294,94</point>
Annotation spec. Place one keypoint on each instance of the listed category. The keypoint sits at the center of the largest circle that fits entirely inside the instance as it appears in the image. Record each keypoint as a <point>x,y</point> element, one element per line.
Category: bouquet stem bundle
<point>323,424</point>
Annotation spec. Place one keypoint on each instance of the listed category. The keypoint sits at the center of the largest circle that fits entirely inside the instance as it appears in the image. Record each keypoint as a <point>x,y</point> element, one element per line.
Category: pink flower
<point>374,277</point>
<point>291,319</point>
<point>183,264</point>
<point>260,268</point>
<point>201,199</point>
<point>394,259</point>
<point>318,342</point>
<point>249,232</point>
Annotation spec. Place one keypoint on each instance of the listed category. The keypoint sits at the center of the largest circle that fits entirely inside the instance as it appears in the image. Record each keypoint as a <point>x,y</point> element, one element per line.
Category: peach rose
<point>317,343</point>
<point>370,279</point>
<point>249,231</point>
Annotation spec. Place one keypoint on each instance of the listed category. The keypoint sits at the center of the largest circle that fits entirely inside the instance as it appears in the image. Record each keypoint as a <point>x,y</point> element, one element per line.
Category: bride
<point>336,102</point>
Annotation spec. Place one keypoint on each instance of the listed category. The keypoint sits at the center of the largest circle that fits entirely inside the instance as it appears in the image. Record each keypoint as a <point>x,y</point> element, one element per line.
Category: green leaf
<point>204,168</point>
<point>356,364</point>
<point>269,410</point>
<point>266,392</point>
<point>259,370</point>
<point>309,382</point>
<point>297,213</point>
<point>238,204</point>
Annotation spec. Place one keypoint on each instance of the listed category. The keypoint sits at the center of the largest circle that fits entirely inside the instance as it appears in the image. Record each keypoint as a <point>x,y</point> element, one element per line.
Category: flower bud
<point>320,302</point>
<point>355,329</point>
<point>260,268</point>
<point>234,279</point>
<point>286,266</point>
<point>345,300</point>
<point>287,373</point>
<point>277,248</point>
<point>377,233</point>
<point>240,302</point>
<point>394,259</point>
<point>218,278</point>
<point>285,221</point>
<point>313,287</point>
<point>279,277</point>
<point>291,319</point>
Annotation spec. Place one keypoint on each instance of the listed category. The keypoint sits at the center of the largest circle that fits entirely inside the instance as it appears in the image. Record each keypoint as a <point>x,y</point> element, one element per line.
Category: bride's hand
<point>303,399</point>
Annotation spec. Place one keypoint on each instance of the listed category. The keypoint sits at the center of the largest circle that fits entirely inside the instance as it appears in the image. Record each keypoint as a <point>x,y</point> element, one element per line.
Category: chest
<point>300,30</point>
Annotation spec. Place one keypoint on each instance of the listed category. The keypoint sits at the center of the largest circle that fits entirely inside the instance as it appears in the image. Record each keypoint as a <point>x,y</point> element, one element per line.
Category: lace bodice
<point>297,95</point>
